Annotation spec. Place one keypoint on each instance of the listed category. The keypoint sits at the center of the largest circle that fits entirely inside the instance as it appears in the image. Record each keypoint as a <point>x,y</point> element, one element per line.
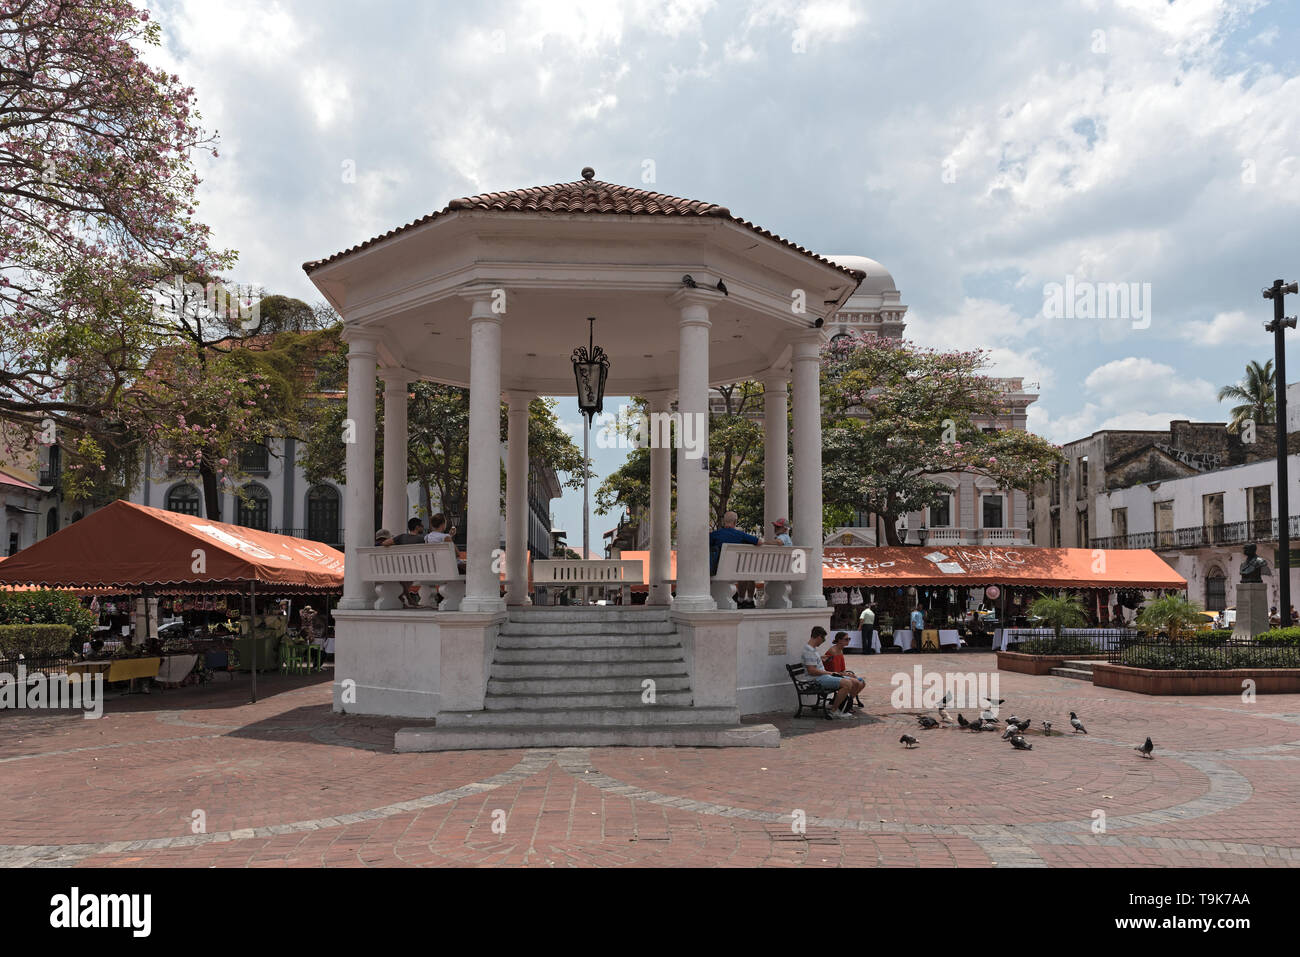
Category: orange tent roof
<point>129,546</point>
<point>972,565</point>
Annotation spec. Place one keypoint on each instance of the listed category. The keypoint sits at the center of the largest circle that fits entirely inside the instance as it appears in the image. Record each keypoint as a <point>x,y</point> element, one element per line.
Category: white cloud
<point>1223,328</point>
<point>1136,384</point>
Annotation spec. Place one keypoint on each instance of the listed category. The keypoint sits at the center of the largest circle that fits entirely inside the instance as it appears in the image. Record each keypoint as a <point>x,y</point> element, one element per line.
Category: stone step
<point>1075,673</point>
<point>409,740</point>
<point>593,628</point>
<point>516,641</point>
<point>584,684</point>
<point>586,699</point>
<point>598,669</point>
<point>581,614</point>
<point>1080,665</point>
<point>589,717</point>
<point>576,656</point>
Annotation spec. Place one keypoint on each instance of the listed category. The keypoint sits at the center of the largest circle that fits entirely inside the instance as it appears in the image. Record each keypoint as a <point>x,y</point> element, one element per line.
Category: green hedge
<point>1191,657</point>
<point>46,607</point>
<point>1279,636</point>
<point>35,641</point>
<point>1065,645</point>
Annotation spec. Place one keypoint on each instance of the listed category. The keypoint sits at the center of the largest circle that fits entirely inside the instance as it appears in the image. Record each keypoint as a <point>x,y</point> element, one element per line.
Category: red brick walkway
<point>200,777</point>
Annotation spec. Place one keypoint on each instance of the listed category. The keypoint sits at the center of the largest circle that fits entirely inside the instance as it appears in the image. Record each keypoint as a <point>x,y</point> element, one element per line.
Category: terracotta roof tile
<point>589,196</point>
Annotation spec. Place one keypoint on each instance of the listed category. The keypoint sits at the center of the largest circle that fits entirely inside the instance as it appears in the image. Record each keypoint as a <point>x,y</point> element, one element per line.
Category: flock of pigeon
<point>1015,727</point>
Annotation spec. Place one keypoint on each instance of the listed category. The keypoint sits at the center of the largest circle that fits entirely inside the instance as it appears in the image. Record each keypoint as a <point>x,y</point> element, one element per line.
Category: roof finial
<point>588,173</point>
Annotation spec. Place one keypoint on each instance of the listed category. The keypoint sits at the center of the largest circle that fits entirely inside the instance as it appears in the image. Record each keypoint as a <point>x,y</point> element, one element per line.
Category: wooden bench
<point>769,564</point>
<point>607,573</point>
<point>434,567</point>
<point>806,687</point>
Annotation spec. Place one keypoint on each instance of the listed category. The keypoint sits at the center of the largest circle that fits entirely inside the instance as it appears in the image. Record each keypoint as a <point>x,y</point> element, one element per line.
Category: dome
<point>878,279</point>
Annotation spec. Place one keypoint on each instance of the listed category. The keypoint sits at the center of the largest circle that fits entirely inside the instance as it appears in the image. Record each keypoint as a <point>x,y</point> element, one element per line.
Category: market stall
<point>147,555</point>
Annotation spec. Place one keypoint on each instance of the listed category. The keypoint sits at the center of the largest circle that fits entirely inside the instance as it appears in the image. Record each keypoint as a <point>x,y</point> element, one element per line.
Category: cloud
<point>1224,327</point>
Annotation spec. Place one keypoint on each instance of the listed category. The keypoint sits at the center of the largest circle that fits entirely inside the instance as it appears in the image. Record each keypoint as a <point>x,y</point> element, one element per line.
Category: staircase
<point>1078,670</point>
<point>575,677</point>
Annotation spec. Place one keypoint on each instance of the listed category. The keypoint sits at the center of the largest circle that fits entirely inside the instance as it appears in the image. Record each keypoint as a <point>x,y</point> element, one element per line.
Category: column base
<point>487,605</point>
<point>694,603</point>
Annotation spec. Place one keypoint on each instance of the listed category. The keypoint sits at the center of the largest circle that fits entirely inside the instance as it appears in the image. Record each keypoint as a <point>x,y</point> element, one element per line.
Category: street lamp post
<point>590,370</point>
<point>1277,292</point>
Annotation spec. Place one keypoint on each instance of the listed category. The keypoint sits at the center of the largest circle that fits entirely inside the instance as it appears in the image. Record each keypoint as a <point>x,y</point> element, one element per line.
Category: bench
<point>770,564</point>
<point>806,687</point>
<point>435,567</point>
<point>607,573</point>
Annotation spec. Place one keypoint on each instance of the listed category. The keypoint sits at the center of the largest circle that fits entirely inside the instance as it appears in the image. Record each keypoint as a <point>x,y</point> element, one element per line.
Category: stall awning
<point>970,565</point>
<point>127,547</point>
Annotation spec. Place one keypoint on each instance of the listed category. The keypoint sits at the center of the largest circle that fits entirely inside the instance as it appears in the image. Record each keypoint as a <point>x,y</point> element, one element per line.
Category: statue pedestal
<point>1252,610</point>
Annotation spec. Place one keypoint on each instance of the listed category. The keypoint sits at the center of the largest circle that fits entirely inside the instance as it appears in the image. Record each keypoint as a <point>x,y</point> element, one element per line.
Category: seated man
<point>833,661</point>
<point>414,535</point>
<point>729,533</point>
<point>813,665</point>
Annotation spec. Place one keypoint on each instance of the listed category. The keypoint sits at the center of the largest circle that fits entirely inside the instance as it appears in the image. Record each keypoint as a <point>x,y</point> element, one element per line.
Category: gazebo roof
<point>587,196</point>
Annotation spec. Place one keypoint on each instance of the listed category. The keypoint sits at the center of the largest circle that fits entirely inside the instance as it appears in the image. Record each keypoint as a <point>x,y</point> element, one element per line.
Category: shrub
<point>1171,615</point>
<point>1065,645</point>
<point>1279,636</point>
<point>46,607</point>
<point>35,641</point>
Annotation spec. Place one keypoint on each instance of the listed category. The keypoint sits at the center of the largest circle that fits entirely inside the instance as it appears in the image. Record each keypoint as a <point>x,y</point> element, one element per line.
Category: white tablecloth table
<point>174,668</point>
<point>903,638</point>
<point>855,640</point>
<point>949,636</point>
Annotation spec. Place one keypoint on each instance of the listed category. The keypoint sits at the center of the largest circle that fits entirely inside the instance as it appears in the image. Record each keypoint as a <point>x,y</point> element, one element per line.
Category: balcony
<point>332,538</point>
<point>952,535</point>
<point>1202,536</point>
<point>50,477</point>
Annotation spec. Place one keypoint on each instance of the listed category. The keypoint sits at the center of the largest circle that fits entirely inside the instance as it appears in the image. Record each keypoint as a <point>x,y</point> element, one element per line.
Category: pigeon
<point>1047,728</point>
<point>722,288</point>
<point>1009,733</point>
<point>993,701</point>
<point>1013,720</point>
<point>944,703</point>
<point>1145,748</point>
<point>1020,744</point>
<point>1077,724</point>
<point>944,716</point>
<point>689,281</point>
<point>988,716</point>
<point>907,740</point>
<point>961,720</point>
<point>927,722</point>
<point>977,725</point>
<point>1022,725</point>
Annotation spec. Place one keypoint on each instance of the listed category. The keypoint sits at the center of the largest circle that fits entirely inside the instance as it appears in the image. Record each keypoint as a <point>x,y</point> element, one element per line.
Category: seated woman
<point>834,663</point>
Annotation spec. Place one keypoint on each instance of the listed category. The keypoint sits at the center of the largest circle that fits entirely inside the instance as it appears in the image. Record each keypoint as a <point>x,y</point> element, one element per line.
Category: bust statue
<point>1253,568</point>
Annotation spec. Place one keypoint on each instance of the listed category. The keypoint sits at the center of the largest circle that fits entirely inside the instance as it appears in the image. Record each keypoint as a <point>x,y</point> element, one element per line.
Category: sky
<point>982,151</point>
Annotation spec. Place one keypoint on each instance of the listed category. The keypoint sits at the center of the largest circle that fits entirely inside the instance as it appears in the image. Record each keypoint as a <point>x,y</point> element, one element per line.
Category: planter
<point>1038,664</point>
<point>1187,682</point>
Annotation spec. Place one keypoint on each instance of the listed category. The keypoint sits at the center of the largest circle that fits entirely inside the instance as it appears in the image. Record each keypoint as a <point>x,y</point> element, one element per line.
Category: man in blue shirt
<point>727,533</point>
<point>918,621</point>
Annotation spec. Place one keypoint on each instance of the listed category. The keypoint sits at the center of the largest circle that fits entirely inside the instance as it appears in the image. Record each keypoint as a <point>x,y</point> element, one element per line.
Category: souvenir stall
<point>223,585</point>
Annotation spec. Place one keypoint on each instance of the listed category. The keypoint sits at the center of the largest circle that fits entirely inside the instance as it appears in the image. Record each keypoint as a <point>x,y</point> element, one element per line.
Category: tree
<point>97,199</point>
<point>1256,395</point>
<point>1059,612</point>
<point>1173,615</point>
<point>895,416</point>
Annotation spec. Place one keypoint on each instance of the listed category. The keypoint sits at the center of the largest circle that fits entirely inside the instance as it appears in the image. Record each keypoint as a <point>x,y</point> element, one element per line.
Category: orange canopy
<point>978,565</point>
<point>127,546</point>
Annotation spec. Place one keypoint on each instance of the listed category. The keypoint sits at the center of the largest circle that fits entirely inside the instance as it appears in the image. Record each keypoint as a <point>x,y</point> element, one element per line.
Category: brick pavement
<point>286,782</point>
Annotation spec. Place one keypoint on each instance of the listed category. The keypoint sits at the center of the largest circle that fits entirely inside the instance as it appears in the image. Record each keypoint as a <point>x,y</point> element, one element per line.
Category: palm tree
<point>1173,614</point>
<point>1059,612</point>
<point>1255,393</point>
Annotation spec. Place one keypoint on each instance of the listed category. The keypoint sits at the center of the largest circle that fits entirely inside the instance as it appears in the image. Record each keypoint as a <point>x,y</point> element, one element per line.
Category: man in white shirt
<point>813,665</point>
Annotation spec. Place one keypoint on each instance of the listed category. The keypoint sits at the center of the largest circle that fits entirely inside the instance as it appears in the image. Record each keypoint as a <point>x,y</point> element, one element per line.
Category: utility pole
<point>1278,327</point>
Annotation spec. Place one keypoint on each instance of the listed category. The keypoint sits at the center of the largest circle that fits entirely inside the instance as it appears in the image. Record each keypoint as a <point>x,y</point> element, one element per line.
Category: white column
<point>517,498</point>
<point>776,470</point>
<point>808,468</point>
<point>359,495</point>
<point>693,593</point>
<point>661,499</point>
<point>482,582</point>
<point>396,507</point>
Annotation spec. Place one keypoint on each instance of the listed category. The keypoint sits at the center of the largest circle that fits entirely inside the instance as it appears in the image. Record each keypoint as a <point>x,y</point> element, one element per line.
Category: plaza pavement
<point>286,782</point>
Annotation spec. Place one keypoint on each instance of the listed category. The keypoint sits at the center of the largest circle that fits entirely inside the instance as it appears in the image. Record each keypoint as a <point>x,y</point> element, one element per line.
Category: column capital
<point>660,400</point>
<point>806,347</point>
<point>694,303</point>
<point>775,380</point>
<point>396,379</point>
<point>519,397</point>
<point>361,342</point>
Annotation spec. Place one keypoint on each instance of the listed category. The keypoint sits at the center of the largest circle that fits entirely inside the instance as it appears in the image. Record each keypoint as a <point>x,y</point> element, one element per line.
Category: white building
<point>1198,524</point>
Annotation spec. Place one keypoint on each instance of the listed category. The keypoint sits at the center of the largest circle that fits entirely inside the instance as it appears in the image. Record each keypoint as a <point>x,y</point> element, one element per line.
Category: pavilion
<point>493,293</point>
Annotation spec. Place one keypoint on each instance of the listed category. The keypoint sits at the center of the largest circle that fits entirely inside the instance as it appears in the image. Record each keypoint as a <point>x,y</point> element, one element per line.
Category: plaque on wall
<point>776,643</point>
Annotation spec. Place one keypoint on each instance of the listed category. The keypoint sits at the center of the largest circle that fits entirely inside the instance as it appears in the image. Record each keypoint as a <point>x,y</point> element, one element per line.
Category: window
<point>1083,476</point>
<point>1216,591</point>
<point>993,511</point>
<point>1081,529</point>
<point>13,543</point>
<point>1259,511</point>
<point>183,498</point>
<point>323,515</point>
<point>51,522</point>
<point>1056,485</point>
<point>1056,531</point>
<point>1119,525</point>
<point>941,514</point>
<point>256,512</point>
<point>255,459</point>
<point>1164,522</point>
<point>1212,517</point>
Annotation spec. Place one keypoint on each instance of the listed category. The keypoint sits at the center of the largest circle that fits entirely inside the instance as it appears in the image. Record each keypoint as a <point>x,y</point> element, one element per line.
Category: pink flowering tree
<point>97,206</point>
<point>896,416</point>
